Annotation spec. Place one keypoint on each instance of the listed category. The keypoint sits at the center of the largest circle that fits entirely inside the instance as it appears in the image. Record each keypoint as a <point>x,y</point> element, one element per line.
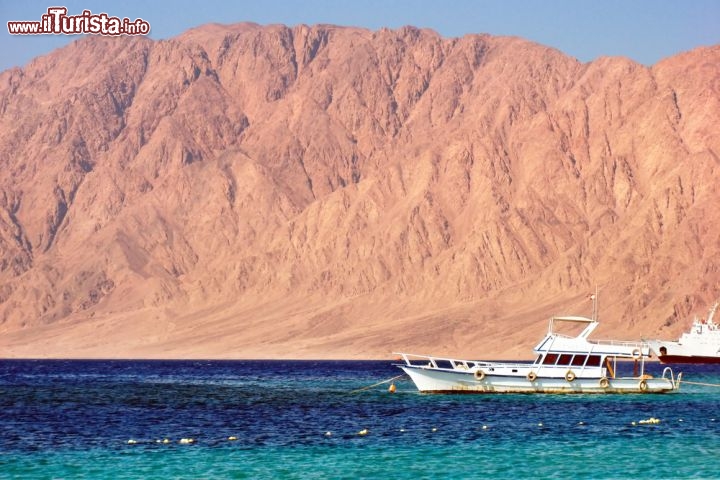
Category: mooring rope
<point>376,384</point>
<point>700,383</point>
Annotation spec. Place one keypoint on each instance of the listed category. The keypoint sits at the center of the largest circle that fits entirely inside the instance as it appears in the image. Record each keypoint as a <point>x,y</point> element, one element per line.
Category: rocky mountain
<point>251,191</point>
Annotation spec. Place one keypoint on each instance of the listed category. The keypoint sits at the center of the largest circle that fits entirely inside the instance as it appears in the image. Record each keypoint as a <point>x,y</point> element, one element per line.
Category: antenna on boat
<point>712,312</point>
<point>594,297</point>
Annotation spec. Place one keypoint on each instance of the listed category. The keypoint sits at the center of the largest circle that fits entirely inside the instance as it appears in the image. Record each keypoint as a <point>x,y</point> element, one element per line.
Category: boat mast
<point>595,305</point>
<point>712,313</point>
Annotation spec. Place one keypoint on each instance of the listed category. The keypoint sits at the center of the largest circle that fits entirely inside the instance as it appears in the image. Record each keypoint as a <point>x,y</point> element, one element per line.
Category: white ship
<point>564,364</point>
<point>700,345</point>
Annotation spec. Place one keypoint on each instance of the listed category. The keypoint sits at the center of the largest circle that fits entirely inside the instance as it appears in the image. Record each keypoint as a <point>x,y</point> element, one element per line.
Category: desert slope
<point>251,191</point>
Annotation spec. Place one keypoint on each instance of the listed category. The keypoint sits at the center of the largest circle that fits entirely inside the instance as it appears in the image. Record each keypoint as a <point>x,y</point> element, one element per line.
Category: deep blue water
<point>300,419</point>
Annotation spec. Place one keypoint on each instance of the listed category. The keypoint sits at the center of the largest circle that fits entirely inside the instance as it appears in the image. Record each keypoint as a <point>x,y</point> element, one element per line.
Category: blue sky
<point>643,30</point>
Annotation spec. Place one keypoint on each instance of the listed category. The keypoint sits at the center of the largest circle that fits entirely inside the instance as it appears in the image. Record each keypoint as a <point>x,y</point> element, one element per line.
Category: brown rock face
<point>248,191</point>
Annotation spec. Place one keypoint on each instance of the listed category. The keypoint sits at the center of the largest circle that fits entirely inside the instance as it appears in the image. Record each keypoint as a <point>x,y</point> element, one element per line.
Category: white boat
<point>700,345</point>
<point>564,364</point>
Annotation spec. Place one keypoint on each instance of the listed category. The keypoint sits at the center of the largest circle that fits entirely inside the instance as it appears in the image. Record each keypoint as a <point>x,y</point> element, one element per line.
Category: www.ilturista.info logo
<point>57,21</point>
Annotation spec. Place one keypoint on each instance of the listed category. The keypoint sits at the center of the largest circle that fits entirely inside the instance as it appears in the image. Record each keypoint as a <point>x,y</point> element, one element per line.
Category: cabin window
<point>593,361</point>
<point>565,359</point>
<point>550,359</point>
<point>444,364</point>
<point>579,360</point>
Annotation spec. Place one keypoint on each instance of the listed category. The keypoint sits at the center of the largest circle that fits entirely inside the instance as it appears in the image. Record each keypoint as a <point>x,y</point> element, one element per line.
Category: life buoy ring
<point>570,376</point>
<point>532,376</point>
<point>636,354</point>
<point>604,382</point>
<point>479,375</point>
<point>643,385</point>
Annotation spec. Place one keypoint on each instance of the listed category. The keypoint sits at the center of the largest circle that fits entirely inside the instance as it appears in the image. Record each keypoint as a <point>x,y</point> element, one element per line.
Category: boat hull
<point>433,380</point>
<point>685,359</point>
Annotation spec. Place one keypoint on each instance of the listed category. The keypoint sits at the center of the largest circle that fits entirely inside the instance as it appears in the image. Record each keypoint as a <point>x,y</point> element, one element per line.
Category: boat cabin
<point>575,352</point>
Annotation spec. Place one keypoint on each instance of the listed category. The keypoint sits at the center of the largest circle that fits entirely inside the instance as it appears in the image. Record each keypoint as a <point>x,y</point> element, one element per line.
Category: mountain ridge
<point>322,191</point>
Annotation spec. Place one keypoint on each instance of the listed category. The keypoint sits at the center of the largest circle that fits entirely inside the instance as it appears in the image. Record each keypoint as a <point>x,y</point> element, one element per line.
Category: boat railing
<point>446,363</point>
<point>669,375</point>
<point>428,361</point>
<point>620,343</point>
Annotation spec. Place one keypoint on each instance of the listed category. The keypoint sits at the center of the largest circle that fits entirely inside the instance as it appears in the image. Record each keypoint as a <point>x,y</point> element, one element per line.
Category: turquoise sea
<point>301,419</point>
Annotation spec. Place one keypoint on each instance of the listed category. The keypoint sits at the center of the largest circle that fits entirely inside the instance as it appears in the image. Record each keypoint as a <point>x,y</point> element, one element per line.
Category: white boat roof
<point>559,342</point>
<point>591,324</point>
<point>572,318</point>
